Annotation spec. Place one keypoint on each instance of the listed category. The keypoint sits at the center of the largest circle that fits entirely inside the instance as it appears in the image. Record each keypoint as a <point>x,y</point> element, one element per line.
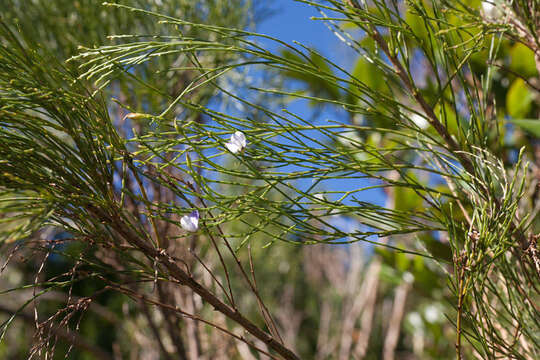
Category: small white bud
<point>190,222</point>
<point>238,142</point>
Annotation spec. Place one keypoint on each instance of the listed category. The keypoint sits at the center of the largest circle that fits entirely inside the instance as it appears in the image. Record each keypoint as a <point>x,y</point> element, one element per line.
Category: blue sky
<point>291,22</point>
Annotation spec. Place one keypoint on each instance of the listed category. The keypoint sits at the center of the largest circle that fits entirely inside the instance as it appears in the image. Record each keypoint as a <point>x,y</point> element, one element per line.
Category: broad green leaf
<point>518,99</point>
<point>320,86</point>
<point>369,74</point>
<point>522,60</point>
<point>417,24</point>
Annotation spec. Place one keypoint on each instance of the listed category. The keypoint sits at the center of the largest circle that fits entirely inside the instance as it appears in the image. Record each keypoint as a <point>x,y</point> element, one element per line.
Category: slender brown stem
<point>184,279</point>
<point>267,317</point>
<point>428,110</point>
<point>453,147</point>
<point>230,295</point>
<point>141,297</point>
<point>155,330</point>
<point>147,203</point>
<point>71,337</point>
<point>396,317</point>
<point>213,276</point>
<point>172,327</point>
<point>461,297</point>
<point>214,243</point>
<point>243,272</point>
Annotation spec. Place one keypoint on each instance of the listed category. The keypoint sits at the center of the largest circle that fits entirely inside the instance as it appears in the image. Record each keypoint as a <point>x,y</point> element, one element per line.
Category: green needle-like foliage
<point>54,139</point>
<point>119,143</point>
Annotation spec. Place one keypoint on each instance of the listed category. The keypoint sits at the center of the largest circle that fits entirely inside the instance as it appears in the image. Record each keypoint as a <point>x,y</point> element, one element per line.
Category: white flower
<point>190,222</point>
<point>237,143</point>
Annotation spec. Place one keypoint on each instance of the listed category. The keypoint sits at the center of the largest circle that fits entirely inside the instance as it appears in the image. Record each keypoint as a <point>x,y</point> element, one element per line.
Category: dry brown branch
<point>175,309</point>
<point>394,325</point>
<point>357,298</point>
<point>366,321</point>
<point>185,279</point>
<point>70,337</point>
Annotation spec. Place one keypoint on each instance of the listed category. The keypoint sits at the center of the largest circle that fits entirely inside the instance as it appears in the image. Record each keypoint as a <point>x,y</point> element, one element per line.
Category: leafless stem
<point>461,298</point>
<point>72,337</point>
<point>141,297</point>
<point>154,330</point>
<point>172,326</point>
<point>394,326</point>
<point>211,273</point>
<point>366,321</point>
<point>267,317</point>
<point>184,279</point>
<point>242,271</point>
